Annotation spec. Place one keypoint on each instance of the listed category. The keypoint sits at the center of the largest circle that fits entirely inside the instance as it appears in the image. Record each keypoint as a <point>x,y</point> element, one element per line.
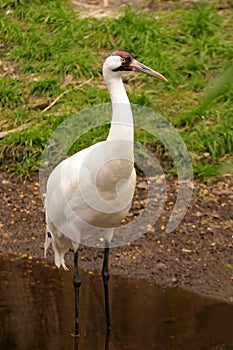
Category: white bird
<point>93,189</point>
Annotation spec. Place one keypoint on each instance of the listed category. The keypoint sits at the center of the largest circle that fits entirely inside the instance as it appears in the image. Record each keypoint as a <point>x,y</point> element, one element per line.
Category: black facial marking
<point>125,66</point>
<point>49,235</point>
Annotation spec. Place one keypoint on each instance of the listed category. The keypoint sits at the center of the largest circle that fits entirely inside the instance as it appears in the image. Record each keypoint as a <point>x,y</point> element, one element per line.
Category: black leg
<point>107,340</point>
<point>105,275</point>
<point>77,284</point>
<point>76,339</point>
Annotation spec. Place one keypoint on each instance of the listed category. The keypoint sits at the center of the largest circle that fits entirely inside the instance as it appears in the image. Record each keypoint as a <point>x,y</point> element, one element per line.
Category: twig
<point>19,128</point>
<point>64,93</point>
<point>88,6</point>
<point>77,3</point>
<point>26,125</point>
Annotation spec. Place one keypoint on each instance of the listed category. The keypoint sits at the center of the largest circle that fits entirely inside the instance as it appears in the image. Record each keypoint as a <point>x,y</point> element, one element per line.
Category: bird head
<point>121,61</point>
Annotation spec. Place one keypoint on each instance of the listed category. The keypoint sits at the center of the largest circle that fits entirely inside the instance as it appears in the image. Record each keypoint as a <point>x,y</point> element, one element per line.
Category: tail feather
<point>59,259</point>
<point>60,245</point>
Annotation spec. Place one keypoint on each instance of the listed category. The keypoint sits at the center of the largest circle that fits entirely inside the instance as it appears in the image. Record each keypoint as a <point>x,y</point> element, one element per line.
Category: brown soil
<point>197,256</point>
<point>95,8</point>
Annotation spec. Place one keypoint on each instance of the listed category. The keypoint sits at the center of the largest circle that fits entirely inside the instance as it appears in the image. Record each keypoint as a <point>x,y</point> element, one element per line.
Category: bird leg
<point>105,276</point>
<point>107,340</point>
<point>77,284</point>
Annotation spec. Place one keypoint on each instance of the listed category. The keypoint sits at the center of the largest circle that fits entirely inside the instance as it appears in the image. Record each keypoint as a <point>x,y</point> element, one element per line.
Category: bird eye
<point>123,59</point>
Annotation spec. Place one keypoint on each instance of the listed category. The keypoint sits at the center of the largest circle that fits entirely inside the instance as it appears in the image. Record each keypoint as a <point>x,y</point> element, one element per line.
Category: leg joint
<point>76,281</point>
<point>105,275</point>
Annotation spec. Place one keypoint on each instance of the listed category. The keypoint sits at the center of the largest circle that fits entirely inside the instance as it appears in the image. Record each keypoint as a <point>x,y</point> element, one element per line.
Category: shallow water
<point>36,312</point>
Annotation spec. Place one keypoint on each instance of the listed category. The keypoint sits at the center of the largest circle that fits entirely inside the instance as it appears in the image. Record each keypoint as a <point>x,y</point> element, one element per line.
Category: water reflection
<point>36,312</point>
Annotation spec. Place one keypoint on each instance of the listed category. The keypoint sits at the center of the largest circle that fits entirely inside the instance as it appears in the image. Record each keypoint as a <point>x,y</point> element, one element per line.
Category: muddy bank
<point>197,256</point>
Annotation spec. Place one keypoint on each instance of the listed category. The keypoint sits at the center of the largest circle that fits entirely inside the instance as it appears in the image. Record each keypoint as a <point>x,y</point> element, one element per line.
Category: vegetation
<point>48,50</point>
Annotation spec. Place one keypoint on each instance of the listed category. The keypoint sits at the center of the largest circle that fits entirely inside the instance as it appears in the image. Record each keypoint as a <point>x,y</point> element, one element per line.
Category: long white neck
<point>122,127</point>
<point>118,150</point>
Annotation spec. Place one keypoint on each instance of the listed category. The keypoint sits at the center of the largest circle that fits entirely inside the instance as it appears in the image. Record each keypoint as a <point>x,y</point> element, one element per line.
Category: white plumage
<point>93,189</point>
<point>68,214</point>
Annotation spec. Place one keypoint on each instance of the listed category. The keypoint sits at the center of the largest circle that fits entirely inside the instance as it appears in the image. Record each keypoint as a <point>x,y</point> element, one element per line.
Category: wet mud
<point>37,312</point>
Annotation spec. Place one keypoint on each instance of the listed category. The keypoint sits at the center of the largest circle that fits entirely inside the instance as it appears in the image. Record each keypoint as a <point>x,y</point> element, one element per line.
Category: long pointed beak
<point>139,67</point>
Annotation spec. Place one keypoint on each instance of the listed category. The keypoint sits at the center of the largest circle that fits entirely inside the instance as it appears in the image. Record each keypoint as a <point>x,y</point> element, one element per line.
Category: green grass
<point>42,42</point>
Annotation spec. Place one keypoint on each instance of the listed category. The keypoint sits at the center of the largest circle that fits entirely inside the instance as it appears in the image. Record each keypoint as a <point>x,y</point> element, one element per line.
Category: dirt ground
<point>96,8</point>
<point>198,255</point>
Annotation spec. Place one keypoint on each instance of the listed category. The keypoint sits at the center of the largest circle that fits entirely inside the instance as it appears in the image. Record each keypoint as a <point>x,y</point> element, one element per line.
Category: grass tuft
<point>47,49</point>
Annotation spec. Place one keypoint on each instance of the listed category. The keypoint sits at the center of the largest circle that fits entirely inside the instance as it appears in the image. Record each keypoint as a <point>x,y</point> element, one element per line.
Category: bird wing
<point>89,190</point>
